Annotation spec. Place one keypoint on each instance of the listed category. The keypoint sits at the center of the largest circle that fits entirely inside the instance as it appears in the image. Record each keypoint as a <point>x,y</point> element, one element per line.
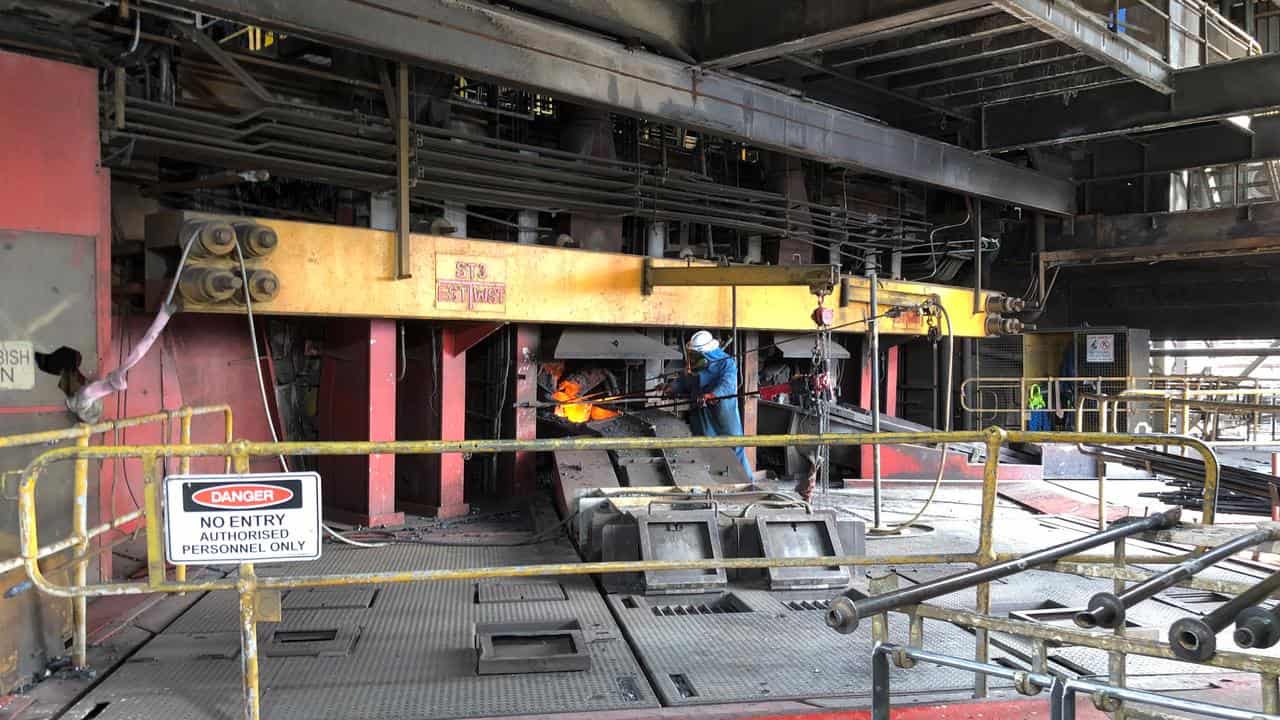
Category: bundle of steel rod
<point>1241,491</point>
<point>359,151</point>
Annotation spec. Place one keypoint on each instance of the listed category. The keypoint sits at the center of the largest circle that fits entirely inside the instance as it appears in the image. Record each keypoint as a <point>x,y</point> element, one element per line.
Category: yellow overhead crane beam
<point>332,270</point>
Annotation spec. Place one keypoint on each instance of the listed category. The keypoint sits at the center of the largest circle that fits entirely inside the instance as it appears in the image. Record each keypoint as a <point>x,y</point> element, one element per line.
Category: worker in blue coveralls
<point>712,386</point>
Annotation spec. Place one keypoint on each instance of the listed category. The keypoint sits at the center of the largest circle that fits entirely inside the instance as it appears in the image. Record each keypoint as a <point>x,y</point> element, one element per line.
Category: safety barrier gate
<point>259,596</point>
<point>81,533</point>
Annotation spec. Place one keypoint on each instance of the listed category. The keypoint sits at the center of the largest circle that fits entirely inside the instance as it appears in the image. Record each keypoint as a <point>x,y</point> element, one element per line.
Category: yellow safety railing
<point>1109,407</point>
<point>81,533</point>
<point>252,589</point>
<point>1185,387</point>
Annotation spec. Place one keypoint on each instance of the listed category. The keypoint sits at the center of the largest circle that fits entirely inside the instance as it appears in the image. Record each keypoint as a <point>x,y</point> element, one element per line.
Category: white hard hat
<point>703,342</point>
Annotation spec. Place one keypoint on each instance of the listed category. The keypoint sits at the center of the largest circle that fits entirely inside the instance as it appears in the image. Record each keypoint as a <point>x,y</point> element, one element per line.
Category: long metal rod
<point>1244,662</point>
<point>79,529</point>
<point>977,256</point>
<point>1058,700</point>
<point>403,249</point>
<point>906,657</point>
<point>1195,638</point>
<point>1107,610</point>
<point>962,58</point>
<point>45,437</point>
<point>1160,700</point>
<point>916,48</point>
<point>873,340</point>
<point>846,610</point>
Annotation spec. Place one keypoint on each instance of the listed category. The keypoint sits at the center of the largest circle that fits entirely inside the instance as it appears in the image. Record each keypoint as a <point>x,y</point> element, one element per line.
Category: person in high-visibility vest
<point>1039,410</point>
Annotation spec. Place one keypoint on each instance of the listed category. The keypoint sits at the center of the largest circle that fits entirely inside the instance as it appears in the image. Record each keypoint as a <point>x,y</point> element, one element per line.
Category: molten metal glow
<point>577,412</point>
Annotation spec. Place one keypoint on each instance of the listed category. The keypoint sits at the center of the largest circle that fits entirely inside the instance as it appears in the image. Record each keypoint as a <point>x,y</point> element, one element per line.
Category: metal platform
<point>402,651</point>
<point>408,652</point>
<point>765,646</point>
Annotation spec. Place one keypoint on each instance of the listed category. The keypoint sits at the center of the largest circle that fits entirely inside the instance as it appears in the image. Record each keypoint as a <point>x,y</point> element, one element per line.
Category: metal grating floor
<point>772,651</point>
<point>407,652</point>
<point>414,656</point>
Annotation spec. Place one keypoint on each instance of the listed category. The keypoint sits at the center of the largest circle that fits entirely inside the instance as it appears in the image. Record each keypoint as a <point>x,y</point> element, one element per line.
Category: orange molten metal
<point>578,412</point>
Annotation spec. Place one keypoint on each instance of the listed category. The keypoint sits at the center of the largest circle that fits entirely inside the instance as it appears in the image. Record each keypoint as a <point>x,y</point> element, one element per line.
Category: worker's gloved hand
<point>666,390</point>
<point>707,399</point>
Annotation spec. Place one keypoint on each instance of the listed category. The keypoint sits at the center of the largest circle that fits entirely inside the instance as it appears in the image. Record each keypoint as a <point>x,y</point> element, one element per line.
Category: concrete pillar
<point>755,249</point>
<point>528,222</point>
<point>456,215</point>
<point>656,240</point>
<point>786,176</point>
<point>382,211</point>
<point>655,246</point>
<point>588,131</point>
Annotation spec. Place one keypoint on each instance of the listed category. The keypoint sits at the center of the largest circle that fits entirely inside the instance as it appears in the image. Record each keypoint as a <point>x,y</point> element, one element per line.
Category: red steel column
<point>888,405</point>
<point>453,421</point>
<point>749,359</point>
<point>358,388</point>
<point>891,381</point>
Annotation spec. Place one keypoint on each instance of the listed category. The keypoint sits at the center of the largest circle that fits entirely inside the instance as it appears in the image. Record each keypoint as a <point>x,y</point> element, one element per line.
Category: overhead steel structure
<point>954,48</point>
<point>578,66</point>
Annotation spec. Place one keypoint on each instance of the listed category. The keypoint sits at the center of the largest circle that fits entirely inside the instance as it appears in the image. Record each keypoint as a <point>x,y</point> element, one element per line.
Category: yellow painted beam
<point>331,270</point>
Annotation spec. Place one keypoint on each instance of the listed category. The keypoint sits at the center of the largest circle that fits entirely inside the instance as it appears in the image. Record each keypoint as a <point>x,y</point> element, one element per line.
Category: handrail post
<point>1186,418</point>
<point>1270,694</point>
<point>80,530</point>
<point>1100,467</point>
<point>248,590</point>
<point>155,539</point>
<point>1022,404</point>
<point>1117,664</point>
<point>229,433</point>
<point>239,459</point>
<point>1212,471</point>
<point>986,548</point>
<point>184,467</point>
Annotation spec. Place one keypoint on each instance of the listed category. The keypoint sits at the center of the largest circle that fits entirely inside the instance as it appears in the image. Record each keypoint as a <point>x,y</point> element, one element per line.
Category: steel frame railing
<point>252,589</point>
<point>1062,691</point>
<point>1109,408</point>
<point>1188,387</point>
<point>81,533</point>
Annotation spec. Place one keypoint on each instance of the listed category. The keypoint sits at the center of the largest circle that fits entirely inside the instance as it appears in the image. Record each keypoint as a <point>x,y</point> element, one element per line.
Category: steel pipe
<point>1195,638</point>
<point>1107,610</point>
<point>1257,627</point>
<point>846,611</point>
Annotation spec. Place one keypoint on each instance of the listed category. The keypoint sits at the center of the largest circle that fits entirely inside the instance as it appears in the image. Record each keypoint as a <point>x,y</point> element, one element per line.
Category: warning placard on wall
<point>215,519</point>
<point>17,365</point>
<point>1100,348</point>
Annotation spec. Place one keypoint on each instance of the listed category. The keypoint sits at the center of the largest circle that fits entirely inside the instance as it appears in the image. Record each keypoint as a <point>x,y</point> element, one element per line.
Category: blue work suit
<point>720,418</point>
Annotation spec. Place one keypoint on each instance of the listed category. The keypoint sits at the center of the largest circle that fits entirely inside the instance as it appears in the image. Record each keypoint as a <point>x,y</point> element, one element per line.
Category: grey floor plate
<point>405,652</point>
<point>770,651</point>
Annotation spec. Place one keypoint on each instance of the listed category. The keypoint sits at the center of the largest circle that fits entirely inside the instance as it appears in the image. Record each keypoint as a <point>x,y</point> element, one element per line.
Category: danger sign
<point>214,519</point>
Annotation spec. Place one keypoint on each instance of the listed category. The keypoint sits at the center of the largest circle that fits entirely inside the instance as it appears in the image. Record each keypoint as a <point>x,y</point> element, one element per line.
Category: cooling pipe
<point>848,609</point>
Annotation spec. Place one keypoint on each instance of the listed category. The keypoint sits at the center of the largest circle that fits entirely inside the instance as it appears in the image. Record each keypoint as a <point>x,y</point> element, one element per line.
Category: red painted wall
<point>49,168</point>
<point>199,360</point>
